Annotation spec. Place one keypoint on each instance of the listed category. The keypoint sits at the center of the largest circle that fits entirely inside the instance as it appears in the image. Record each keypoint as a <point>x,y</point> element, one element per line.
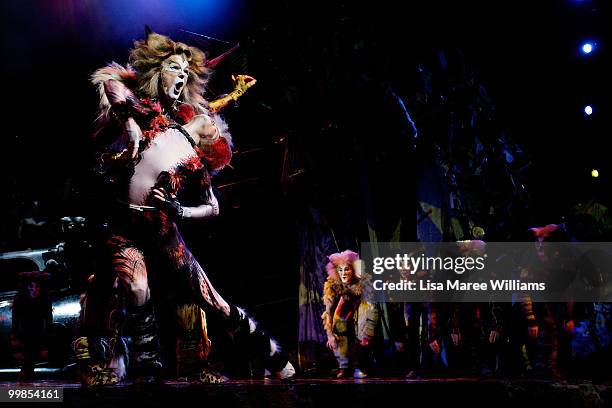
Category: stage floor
<point>371,393</point>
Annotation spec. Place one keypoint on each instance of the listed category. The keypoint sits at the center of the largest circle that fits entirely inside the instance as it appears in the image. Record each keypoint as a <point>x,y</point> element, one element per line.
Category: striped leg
<point>130,269</point>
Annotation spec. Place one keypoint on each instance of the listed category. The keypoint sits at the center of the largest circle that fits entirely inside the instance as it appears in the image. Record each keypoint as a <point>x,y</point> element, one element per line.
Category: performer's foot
<point>412,375</point>
<point>95,375</point>
<point>286,373</point>
<point>208,376</point>
<point>275,360</point>
<point>359,374</point>
<point>342,373</point>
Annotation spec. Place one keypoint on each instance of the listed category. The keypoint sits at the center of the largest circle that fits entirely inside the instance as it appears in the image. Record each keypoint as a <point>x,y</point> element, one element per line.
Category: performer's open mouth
<point>178,87</point>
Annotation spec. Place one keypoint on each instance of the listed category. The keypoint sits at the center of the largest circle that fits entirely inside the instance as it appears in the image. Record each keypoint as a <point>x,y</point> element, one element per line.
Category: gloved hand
<point>167,203</point>
<point>241,84</point>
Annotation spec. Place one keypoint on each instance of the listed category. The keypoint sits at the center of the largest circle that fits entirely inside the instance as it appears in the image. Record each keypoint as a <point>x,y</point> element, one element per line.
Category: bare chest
<point>165,152</point>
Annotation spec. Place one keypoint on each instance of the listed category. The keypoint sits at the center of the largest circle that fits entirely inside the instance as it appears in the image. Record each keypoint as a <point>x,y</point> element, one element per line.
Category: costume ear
<point>148,31</point>
<point>215,61</point>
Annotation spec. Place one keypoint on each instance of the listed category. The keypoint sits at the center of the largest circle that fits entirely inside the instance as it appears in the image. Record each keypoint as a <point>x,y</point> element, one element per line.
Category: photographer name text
<point>505,285</point>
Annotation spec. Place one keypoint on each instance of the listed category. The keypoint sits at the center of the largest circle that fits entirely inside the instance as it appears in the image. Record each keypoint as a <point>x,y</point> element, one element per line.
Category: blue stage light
<point>588,110</point>
<point>588,48</point>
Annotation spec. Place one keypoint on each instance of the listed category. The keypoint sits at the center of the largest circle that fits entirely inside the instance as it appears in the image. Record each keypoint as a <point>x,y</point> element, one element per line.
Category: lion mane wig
<point>147,56</point>
<point>144,72</point>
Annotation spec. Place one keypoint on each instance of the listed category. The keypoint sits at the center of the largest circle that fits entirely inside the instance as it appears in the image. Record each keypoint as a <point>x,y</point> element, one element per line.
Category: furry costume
<point>153,180</point>
<point>349,317</point>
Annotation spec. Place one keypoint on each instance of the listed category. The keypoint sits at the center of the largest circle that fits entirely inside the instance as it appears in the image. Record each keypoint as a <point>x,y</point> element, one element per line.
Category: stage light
<point>594,173</point>
<point>587,48</point>
<point>588,110</point>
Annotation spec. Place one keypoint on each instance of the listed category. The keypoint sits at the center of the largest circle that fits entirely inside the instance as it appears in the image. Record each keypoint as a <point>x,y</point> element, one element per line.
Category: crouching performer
<point>350,319</point>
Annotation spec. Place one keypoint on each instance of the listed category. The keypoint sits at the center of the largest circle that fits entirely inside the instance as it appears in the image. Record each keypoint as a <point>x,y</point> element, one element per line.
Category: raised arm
<point>241,84</point>
<point>117,102</point>
<point>121,100</point>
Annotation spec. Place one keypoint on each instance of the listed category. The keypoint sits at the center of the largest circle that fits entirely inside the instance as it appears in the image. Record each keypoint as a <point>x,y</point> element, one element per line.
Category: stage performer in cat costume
<point>162,143</point>
<point>350,319</point>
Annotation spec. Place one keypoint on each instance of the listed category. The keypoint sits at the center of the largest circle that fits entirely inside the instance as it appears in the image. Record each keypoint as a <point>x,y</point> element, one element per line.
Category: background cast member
<point>350,319</point>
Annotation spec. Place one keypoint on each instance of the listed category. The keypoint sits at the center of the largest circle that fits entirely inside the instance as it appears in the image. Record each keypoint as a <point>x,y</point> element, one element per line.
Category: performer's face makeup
<point>346,273</point>
<point>33,290</point>
<point>174,74</point>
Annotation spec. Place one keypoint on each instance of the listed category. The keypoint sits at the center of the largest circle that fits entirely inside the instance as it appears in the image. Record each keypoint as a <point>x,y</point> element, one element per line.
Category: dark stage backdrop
<point>366,119</point>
